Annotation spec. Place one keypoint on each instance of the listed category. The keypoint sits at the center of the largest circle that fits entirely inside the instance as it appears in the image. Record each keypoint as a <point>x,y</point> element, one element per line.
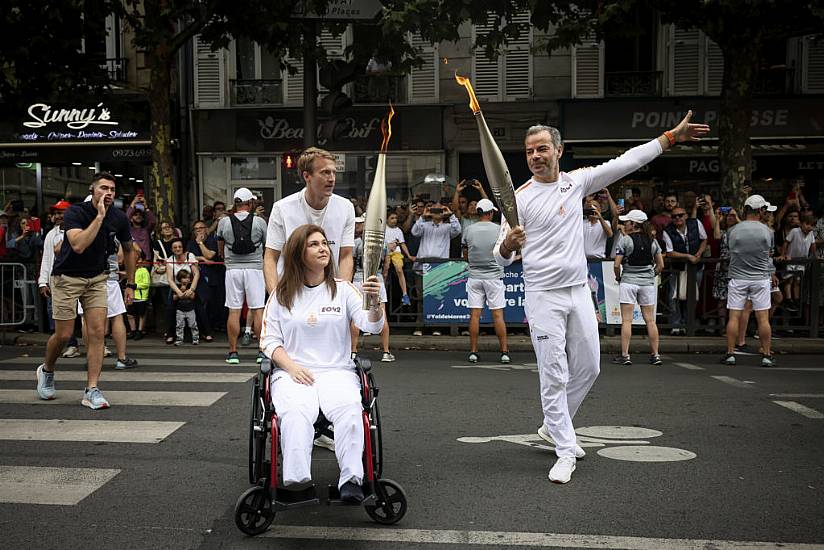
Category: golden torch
<point>374,227</point>
<point>496,171</point>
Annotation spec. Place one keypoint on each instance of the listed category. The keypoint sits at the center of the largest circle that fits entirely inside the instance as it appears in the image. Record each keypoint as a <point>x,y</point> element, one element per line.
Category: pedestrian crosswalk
<point>134,394</point>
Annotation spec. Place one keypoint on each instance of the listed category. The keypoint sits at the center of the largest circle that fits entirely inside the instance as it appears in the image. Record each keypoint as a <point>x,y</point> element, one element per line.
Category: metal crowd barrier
<point>17,296</point>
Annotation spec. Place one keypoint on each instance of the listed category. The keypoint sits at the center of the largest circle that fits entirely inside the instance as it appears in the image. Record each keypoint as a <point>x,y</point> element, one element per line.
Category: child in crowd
<point>185,308</point>
<point>137,311</point>
<point>799,245</point>
<point>396,249</point>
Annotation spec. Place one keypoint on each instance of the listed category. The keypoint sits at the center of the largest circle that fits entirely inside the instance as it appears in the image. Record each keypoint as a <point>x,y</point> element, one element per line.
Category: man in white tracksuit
<point>559,309</point>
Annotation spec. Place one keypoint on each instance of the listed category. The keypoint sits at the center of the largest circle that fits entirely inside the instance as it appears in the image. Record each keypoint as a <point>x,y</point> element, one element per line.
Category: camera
<point>725,209</point>
<point>436,210</point>
<point>589,212</point>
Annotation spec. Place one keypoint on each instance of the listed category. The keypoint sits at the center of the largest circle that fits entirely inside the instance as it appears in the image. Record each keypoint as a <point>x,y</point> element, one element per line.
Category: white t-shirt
<point>393,235</point>
<point>798,244</point>
<point>53,238</point>
<point>180,266</point>
<point>551,213</point>
<point>337,219</point>
<point>595,240</point>
<point>702,234</point>
<point>315,333</point>
<point>435,238</point>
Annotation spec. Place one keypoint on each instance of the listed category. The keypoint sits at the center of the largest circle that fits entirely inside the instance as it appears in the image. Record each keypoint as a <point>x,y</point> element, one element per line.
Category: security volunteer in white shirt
<point>315,204</point>
<point>559,309</point>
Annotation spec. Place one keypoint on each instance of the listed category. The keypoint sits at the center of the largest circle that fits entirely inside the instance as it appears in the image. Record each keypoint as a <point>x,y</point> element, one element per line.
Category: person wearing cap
<point>485,284</point>
<point>751,273</point>
<point>314,204</point>
<point>562,321</point>
<point>51,244</point>
<point>684,241</point>
<point>79,274</point>
<point>240,242</point>
<point>638,260</point>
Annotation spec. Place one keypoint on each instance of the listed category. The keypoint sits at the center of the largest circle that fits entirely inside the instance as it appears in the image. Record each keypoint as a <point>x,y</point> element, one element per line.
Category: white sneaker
<point>71,352</point>
<point>326,442</point>
<point>107,352</point>
<point>562,471</point>
<point>544,434</point>
<point>387,357</point>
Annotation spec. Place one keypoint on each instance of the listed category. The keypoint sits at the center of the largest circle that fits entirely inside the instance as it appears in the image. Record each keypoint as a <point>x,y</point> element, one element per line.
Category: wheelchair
<point>384,500</point>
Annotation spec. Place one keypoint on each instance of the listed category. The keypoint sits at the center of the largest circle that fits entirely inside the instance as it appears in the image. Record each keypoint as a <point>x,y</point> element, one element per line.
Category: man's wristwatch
<point>131,285</point>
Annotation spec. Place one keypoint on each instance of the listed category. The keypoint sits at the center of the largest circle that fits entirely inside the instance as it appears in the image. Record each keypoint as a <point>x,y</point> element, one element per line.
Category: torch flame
<point>386,128</point>
<point>473,101</point>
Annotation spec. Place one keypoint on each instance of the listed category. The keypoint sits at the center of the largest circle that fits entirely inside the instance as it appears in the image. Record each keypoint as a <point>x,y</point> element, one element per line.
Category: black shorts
<point>137,309</point>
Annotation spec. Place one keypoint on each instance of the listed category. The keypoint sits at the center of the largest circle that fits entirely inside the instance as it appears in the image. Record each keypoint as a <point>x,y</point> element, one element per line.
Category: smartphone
<point>34,224</point>
<point>620,202</point>
<point>436,210</point>
<point>139,192</point>
<point>725,209</point>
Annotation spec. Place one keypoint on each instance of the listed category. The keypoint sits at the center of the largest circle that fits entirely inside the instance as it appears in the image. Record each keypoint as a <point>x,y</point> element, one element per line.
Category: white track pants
<point>564,333</point>
<point>337,394</point>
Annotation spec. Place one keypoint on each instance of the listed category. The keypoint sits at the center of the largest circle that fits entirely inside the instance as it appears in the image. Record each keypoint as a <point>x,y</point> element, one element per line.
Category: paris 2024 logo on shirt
<point>331,310</point>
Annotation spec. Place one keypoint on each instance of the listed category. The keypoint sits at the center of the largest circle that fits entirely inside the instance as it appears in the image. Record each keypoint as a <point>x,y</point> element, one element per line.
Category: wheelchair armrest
<point>267,366</point>
<point>363,363</point>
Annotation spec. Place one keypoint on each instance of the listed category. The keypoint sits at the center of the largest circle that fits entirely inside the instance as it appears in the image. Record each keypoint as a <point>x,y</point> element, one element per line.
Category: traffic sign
<point>342,10</point>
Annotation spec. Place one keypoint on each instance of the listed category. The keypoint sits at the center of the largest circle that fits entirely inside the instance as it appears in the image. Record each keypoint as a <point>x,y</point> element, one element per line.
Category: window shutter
<point>714,73</point>
<point>486,71</point>
<point>209,75</point>
<point>423,80</point>
<point>813,66</point>
<point>517,62</point>
<point>587,68</point>
<point>294,82</point>
<point>685,58</point>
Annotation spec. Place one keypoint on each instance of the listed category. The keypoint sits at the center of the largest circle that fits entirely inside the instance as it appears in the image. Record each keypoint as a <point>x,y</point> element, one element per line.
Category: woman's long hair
<point>291,283</point>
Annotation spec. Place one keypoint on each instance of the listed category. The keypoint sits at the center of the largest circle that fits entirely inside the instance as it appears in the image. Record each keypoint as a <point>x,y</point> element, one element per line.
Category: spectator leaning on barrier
<point>596,229</point>
<point>137,311</point>
<point>240,242</point>
<point>180,260</point>
<point>485,285</point>
<point>799,245</point>
<point>80,274</point>
<point>211,290</point>
<point>396,250</point>
<point>684,241</point>
<point>435,227</point>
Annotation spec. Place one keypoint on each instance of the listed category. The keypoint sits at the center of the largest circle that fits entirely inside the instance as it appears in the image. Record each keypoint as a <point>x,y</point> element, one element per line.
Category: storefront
<point>49,152</point>
<point>248,147</point>
<point>787,143</point>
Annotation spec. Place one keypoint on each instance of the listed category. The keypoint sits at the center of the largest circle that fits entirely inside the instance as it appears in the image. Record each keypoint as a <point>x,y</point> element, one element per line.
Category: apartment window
<point>509,76</point>
<point>629,61</point>
<point>257,75</point>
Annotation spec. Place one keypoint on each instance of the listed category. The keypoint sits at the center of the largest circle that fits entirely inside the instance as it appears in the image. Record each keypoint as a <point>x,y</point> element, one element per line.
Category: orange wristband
<point>670,137</point>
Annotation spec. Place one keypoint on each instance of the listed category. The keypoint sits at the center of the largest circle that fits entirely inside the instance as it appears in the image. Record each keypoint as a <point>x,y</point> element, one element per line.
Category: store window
<point>18,182</point>
<point>253,168</point>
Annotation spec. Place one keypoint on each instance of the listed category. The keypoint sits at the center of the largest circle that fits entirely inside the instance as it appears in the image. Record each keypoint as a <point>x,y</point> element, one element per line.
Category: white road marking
<point>500,367</point>
<point>688,366</point>
<point>648,453</point>
<point>135,376</point>
<point>108,364</point>
<point>801,409</point>
<point>516,538</point>
<point>798,395</point>
<point>144,398</point>
<point>111,431</point>
<point>618,432</point>
<point>811,369</point>
<point>56,486</point>
<point>733,382</point>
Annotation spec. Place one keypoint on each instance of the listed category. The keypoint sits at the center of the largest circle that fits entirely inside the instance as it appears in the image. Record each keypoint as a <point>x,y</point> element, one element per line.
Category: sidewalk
<point>609,344</point>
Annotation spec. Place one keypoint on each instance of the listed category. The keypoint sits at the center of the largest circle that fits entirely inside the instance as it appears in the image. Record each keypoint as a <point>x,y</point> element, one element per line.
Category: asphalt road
<point>691,454</point>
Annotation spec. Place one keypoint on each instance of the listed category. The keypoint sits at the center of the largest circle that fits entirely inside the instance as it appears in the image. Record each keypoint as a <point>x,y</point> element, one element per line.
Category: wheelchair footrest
<point>334,496</point>
<point>286,498</point>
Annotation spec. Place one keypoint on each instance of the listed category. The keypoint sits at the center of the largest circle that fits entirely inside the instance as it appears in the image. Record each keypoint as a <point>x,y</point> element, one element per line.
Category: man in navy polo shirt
<point>79,274</point>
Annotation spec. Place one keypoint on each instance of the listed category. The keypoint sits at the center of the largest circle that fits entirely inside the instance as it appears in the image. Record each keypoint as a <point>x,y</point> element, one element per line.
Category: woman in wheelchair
<point>306,334</point>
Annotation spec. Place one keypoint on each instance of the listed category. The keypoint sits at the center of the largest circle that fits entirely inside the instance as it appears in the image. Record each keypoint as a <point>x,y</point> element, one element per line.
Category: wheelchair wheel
<point>254,511</point>
<point>391,504</point>
<point>257,438</point>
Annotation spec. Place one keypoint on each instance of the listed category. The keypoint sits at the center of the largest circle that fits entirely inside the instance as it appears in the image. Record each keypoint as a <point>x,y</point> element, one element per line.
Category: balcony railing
<point>256,92</point>
<point>633,83</point>
<point>380,88</point>
<point>116,67</point>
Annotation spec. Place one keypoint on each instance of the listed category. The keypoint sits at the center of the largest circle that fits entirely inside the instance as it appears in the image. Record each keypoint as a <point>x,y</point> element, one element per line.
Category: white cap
<point>757,202</point>
<point>3,213</point>
<point>243,195</point>
<point>636,216</point>
<point>87,199</point>
<point>486,206</point>
<point>360,219</point>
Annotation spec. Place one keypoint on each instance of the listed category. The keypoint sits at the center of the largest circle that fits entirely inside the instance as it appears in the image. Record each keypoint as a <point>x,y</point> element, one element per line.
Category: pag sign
<point>342,10</point>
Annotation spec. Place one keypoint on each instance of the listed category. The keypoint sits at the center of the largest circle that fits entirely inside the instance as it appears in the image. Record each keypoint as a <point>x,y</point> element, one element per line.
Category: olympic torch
<point>374,227</point>
<point>496,170</point>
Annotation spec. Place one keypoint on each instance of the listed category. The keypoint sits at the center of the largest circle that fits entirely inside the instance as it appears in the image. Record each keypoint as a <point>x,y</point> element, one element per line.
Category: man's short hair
<point>307,158</point>
<point>101,176</point>
<point>554,134</point>
<point>808,218</point>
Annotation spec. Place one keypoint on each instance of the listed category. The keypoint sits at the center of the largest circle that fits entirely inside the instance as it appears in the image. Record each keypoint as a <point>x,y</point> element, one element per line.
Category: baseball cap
<point>360,219</point>
<point>243,195</point>
<point>757,202</point>
<point>486,206</point>
<point>636,216</point>
<point>3,213</point>
<point>61,205</point>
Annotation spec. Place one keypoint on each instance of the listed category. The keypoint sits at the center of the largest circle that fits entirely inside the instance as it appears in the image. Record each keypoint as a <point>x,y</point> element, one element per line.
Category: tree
<point>741,28</point>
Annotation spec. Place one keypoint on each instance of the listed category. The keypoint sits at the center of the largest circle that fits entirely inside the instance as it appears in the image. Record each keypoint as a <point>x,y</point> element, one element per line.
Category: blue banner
<point>445,300</point>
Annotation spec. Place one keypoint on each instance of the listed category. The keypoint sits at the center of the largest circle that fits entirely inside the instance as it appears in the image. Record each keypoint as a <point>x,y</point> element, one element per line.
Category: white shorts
<point>114,296</point>
<point>629,293</point>
<point>357,280</point>
<point>488,292</point>
<point>245,283</point>
<point>739,291</point>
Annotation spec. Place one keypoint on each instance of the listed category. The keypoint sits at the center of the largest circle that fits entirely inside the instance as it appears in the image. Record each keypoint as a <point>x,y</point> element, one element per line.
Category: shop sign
<point>281,129</point>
